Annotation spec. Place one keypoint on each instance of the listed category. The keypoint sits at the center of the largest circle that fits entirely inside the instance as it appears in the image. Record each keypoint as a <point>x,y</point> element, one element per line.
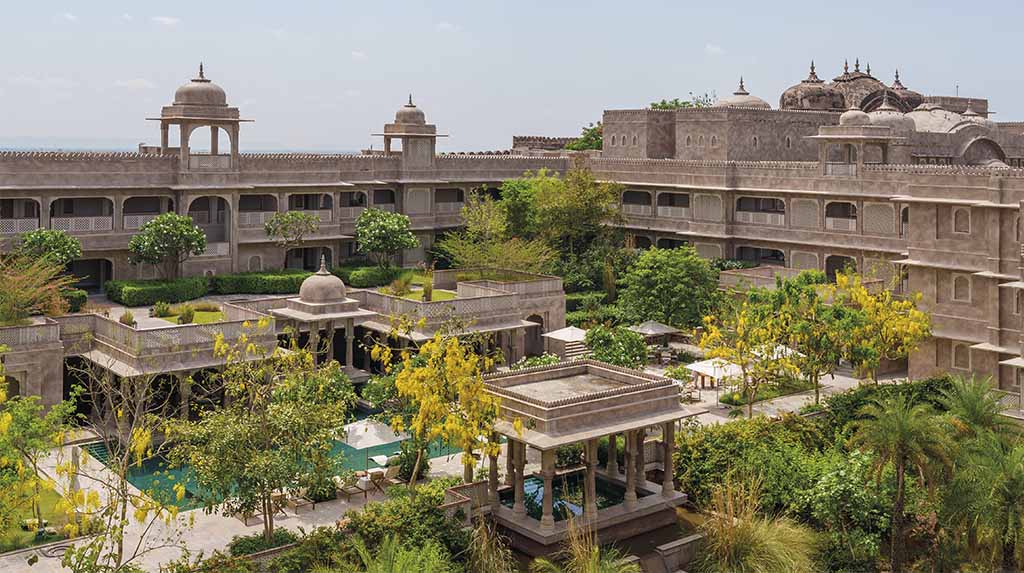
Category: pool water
<point>567,493</point>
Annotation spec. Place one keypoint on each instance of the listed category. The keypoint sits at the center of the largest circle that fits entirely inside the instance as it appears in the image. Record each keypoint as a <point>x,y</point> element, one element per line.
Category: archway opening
<point>308,258</point>
<point>835,264</point>
<point>534,341</point>
<point>92,274</point>
<point>18,216</point>
<point>211,215</point>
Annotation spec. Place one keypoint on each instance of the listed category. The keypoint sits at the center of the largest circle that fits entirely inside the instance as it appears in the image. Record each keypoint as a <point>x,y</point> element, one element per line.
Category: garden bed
<point>200,317</point>
<point>789,387</point>
<point>18,538</point>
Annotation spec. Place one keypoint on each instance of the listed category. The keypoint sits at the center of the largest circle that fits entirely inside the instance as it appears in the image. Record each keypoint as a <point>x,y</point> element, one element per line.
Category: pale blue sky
<point>324,75</point>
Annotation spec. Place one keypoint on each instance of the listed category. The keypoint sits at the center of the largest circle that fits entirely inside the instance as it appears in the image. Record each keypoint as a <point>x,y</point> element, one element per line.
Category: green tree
<point>168,240</point>
<point>57,246</point>
<point>485,243</point>
<point>673,286</point>
<point>31,434</point>
<point>976,408</point>
<point>574,211</point>
<point>910,438</point>
<point>30,286</point>
<point>582,554</point>
<point>288,229</point>
<point>382,235</point>
<point>391,556</point>
<point>617,345</point>
<point>278,429</point>
<point>695,101</point>
<point>518,202</point>
<point>591,137</point>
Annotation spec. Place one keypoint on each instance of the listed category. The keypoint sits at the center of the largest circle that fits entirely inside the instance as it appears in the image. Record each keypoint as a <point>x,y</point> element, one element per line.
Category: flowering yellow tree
<point>892,327</point>
<point>750,335</point>
<point>444,383</point>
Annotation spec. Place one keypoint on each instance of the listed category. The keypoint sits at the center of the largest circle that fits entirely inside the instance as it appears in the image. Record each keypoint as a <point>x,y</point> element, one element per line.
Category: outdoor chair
<point>379,480</point>
<point>391,476</point>
<point>349,486</point>
<point>298,499</point>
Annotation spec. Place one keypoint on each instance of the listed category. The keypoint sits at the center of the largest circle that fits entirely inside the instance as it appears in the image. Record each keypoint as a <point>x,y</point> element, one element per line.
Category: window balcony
<point>385,207</point>
<point>132,221</point>
<point>82,224</point>
<point>15,226</point>
<point>448,207</point>
<point>840,224</point>
<point>351,213</point>
<point>841,169</point>
<point>254,218</point>
<point>674,212</point>
<point>761,218</point>
<point>636,209</point>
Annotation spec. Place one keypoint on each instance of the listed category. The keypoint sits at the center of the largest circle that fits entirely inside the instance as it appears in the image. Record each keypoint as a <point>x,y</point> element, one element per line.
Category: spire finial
<point>856,65</point>
<point>897,84</point>
<point>323,265</point>
<point>410,100</point>
<point>868,70</point>
<point>846,66</point>
<point>742,90</point>
<point>201,75</point>
<point>812,66</point>
<point>897,74</point>
<point>812,76</point>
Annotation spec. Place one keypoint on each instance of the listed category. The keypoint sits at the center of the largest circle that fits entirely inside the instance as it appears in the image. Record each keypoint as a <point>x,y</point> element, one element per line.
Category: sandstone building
<point>845,172</point>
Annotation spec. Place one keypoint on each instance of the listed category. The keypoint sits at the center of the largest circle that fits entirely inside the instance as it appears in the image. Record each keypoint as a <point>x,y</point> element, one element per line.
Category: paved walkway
<point>207,532</point>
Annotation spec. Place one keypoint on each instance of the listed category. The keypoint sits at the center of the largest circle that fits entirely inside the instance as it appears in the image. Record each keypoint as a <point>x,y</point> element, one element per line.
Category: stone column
<point>331,327</point>
<point>492,481</point>
<point>612,467</point>
<point>214,140</point>
<point>547,471</point>
<point>510,466</point>
<point>519,508</point>
<point>641,463</point>
<point>668,437</point>
<point>164,137</point>
<point>590,492</point>
<point>350,334</point>
<point>630,497</point>
<point>314,341</point>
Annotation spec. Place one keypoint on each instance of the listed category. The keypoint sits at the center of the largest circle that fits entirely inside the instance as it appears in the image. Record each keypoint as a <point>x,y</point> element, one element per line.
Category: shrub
<point>531,361</point>
<point>407,460</point>
<point>127,318</point>
<point>205,306</point>
<point>318,547</point>
<point>186,314</point>
<point>732,264</point>
<point>369,277</point>
<point>148,292</point>
<point>161,309</point>
<point>285,281</point>
<point>617,345</point>
<point>607,314</point>
<point>249,544</point>
<point>568,456</point>
<point>76,298</point>
<point>585,300</point>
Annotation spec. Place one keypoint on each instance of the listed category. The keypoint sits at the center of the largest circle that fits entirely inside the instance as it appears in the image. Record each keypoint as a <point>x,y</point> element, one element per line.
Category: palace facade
<point>849,172</point>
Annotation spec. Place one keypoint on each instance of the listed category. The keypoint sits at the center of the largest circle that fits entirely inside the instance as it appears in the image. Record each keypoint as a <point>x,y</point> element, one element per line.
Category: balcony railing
<point>218,249</point>
<point>209,162</point>
<point>137,220</point>
<point>636,209</point>
<point>448,207</point>
<point>761,218</point>
<point>841,169</point>
<point>348,213</point>
<point>840,224</point>
<point>326,215</point>
<point>30,335</point>
<point>254,218</point>
<point>13,226</point>
<point>385,206</point>
<point>204,218</point>
<point>82,224</point>
<point>674,212</point>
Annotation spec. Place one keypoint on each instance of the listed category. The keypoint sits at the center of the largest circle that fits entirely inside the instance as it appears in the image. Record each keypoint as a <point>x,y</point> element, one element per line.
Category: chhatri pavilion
<point>581,402</point>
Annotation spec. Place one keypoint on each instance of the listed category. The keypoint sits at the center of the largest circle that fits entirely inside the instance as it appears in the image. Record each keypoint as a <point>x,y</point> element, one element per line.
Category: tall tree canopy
<point>167,241</point>
<point>57,246</point>
<point>673,286</point>
<point>590,138</point>
<point>382,235</point>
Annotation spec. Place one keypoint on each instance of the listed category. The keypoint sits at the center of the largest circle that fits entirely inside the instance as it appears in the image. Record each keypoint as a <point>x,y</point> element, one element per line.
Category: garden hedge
<point>147,292</point>
<point>368,276</point>
<point>584,300</point>
<point>76,298</point>
<point>286,281</point>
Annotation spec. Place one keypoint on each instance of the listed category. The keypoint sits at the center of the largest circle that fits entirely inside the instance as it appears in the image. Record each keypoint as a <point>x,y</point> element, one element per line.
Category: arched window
<point>961,356</point>
<point>1016,228</point>
<point>755,142</point>
<point>962,220</point>
<point>1017,299</point>
<point>688,142</point>
<point>255,263</point>
<point>789,142</point>
<point>961,288</point>
<point>714,141</point>
<point>700,141</point>
<point>634,140</point>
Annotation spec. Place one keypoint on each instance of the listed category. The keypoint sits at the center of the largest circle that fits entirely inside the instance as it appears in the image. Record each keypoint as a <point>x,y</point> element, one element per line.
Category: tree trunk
<point>268,518</point>
<point>467,470</point>
<point>1009,560</point>
<point>751,392</point>
<point>37,510</point>
<point>896,541</point>
<point>817,388</point>
<point>416,468</point>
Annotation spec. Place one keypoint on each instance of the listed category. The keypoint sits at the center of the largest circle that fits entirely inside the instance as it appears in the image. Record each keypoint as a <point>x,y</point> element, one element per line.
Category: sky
<point>324,75</point>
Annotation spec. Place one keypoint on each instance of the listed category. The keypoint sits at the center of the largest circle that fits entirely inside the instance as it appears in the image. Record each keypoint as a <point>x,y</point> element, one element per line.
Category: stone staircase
<point>576,351</point>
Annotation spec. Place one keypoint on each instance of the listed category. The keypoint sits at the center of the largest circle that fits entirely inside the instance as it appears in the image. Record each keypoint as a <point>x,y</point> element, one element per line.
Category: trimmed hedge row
<point>584,300</point>
<point>277,282</point>
<point>147,292</point>
<point>76,298</point>
<point>368,276</point>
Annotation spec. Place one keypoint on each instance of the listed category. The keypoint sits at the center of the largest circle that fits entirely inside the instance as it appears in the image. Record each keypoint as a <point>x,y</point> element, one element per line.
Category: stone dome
<point>909,97</point>
<point>812,94</point>
<point>742,98</point>
<point>856,85</point>
<point>201,91</point>
<point>854,116</point>
<point>933,118</point>
<point>409,114</point>
<point>888,115</point>
<point>322,287</point>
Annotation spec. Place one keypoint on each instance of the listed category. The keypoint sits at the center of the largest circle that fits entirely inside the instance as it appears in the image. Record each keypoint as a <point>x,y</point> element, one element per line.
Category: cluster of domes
<point>201,92</point>
<point>851,88</point>
<point>741,98</point>
<point>811,94</point>
<point>889,116</point>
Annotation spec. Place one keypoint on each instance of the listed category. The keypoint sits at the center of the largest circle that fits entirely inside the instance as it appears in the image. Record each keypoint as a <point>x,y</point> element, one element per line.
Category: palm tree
<point>738,539</point>
<point>910,437</point>
<point>987,497</point>
<point>582,554</point>
<point>975,408</point>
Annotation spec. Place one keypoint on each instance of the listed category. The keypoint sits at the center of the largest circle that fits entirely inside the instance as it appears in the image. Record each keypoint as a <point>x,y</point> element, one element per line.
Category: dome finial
<point>846,66</point>
<point>410,104</point>
<point>323,265</point>
<point>897,84</point>
<point>742,90</point>
<point>201,75</point>
<point>812,76</point>
<point>868,70</point>
<point>856,65</point>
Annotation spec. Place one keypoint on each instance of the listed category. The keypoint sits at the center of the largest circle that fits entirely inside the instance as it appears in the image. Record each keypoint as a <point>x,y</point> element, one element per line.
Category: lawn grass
<point>16,538</point>
<point>438,295</point>
<point>787,387</point>
<point>201,317</point>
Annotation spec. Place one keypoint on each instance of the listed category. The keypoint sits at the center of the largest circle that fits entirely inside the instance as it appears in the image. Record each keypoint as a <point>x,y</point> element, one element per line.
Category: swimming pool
<point>567,493</point>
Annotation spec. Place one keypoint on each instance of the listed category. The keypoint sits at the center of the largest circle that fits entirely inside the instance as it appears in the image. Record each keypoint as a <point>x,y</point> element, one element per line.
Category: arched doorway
<point>13,385</point>
<point>534,345</point>
<point>834,264</point>
<point>211,215</point>
<point>92,274</point>
<point>308,258</point>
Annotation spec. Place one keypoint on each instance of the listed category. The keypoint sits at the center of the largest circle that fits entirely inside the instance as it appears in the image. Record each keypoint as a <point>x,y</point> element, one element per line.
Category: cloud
<point>41,82</point>
<point>165,20</point>
<point>358,56</point>
<point>713,50</point>
<point>135,84</point>
<point>444,26</point>
<point>69,17</point>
